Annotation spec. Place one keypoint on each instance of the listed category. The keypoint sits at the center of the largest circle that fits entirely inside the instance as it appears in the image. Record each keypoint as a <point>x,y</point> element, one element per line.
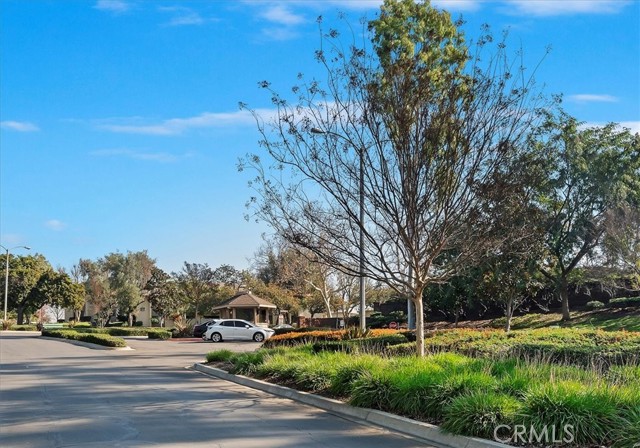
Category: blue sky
<point>120,127</point>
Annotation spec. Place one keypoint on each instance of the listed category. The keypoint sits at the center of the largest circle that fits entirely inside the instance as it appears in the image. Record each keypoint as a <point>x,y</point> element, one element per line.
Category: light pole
<point>363,305</point>
<point>6,277</point>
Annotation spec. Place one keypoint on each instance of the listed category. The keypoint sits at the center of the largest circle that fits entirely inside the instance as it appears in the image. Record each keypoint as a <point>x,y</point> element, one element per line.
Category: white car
<point>236,329</point>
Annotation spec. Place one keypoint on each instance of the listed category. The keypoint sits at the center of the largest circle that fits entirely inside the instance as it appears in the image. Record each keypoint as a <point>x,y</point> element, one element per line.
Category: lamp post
<point>363,304</point>
<point>6,277</point>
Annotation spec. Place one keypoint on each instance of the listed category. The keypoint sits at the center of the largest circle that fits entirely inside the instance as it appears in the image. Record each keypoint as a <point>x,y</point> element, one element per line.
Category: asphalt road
<point>55,394</point>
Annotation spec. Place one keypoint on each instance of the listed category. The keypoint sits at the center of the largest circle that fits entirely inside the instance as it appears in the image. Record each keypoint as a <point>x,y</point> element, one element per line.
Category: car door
<point>228,329</point>
<point>242,332</point>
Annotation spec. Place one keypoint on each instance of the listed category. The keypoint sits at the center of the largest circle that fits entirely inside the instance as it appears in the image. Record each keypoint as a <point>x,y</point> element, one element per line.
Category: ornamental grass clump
<point>479,414</point>
<point>219,356</point>
<point>342,382</point>
<point>590,411</point>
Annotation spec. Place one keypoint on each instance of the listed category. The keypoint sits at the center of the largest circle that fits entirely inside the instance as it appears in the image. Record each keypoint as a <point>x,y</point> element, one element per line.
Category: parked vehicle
<point>226,329</point>
<point>199,330</point>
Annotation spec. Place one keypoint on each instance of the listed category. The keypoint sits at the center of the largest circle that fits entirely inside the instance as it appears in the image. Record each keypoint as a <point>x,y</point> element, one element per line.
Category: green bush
<point>100,339</point>
<point>158,334</point>
<point>472,395</point>
<point>624,302</point>
<point>219,356</point>
<point>479,414</point>
<point>365,345</point>
<point>595,305</point>
<point>23,328</point>
<point>151,333</point>
<point>590,409</point>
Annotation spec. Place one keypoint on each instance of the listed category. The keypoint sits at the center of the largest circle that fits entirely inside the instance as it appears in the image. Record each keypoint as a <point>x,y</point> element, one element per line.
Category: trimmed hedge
<point>23,328</point>
<point>159,334</point>
<point>624,302</point>
<point>595,305</point>
<point>364,345</point>
<point>556,345</point>
<point>94,338</point>
<point>309,337</point>
<point>152,333</point>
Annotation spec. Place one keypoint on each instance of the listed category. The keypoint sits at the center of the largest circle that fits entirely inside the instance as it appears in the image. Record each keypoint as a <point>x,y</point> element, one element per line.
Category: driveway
<point>55,394</point>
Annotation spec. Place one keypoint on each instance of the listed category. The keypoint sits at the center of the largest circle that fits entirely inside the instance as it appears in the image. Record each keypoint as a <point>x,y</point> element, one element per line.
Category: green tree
<point>414,131</point>
<point>592,172</point>
<point>24,273</point>
<point>198,284</point>
<point>165,295</point>
<point>98,289</point>
<point>58,290</point>
<point>128,274</point>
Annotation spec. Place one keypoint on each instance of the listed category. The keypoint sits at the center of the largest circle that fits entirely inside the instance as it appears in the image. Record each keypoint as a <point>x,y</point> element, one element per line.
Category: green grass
<point>468,395</point>
<point>605,319</point>
<point>551,345</point>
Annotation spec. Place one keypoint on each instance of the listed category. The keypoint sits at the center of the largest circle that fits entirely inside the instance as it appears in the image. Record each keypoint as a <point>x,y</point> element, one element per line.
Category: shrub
<point>246,363</point>
<point>158,334</point>
<point>629,435</point>
<point>346,375</point>
<point>100,339</point>
<point>219,356</point>
<point>23,328</point>
<point>366,345</point>
<point>590,410</point>
<point>7,324</point>
<point>624,302</point>
<point>479,414</point>
<point>595,305</point>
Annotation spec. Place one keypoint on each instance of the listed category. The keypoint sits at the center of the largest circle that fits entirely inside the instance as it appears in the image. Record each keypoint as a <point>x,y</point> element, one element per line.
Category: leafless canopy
<point>436,163</point>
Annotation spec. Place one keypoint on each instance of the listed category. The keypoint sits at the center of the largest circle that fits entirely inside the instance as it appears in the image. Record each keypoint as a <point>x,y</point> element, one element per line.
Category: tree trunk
<point>419,325</point>
<point>508,315</point>
<point>563,292</point>
<point>20,318</point>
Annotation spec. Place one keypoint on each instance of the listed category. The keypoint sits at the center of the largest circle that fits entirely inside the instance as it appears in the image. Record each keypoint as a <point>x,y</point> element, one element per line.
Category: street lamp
<point>6,277</point>
<point>363,304</point>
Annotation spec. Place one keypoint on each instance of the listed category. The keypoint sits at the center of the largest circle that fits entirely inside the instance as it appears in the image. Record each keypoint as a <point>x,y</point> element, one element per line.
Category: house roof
<point>245,299</point>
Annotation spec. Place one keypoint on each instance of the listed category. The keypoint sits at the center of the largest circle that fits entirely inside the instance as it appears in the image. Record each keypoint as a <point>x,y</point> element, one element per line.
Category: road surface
<point>55,394</point>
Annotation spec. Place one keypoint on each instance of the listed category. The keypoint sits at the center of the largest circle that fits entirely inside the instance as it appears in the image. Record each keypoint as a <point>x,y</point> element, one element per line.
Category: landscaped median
<point>523,397</point>
<point>107,337</point>
<point>99,339</point>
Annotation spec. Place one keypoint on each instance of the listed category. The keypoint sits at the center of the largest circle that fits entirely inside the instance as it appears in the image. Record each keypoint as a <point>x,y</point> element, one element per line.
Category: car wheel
<point>258,337</point>
<point>216,337</point>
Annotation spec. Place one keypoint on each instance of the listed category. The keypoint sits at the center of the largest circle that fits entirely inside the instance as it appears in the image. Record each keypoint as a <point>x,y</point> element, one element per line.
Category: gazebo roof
<point>245,299</point>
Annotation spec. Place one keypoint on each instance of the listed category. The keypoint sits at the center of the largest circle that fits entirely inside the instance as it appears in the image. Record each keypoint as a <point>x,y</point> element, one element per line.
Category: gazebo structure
<point>245,305</point>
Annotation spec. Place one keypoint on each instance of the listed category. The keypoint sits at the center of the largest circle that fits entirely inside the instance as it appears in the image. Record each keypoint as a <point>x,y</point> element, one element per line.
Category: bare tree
<point>418,135</point>
<point>622,240</point>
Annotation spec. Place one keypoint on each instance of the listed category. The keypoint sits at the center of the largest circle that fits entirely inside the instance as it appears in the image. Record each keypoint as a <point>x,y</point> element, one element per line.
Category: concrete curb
<point>86,344</point>
<point>425,431</point>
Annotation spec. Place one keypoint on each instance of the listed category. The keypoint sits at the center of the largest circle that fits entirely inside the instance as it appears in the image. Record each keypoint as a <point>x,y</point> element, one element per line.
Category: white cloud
<point>162,157</point>
<point>279,34</point>
<point>176,126</point>
<point>457,5</point>
<point>185,16</point>
<point>19,126</point>
<point>282,15</point>
<point>592,98</point>
<point>55,225</point>
<point>565,7</point>
<point>633,126</point>
<point>114,6</point>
